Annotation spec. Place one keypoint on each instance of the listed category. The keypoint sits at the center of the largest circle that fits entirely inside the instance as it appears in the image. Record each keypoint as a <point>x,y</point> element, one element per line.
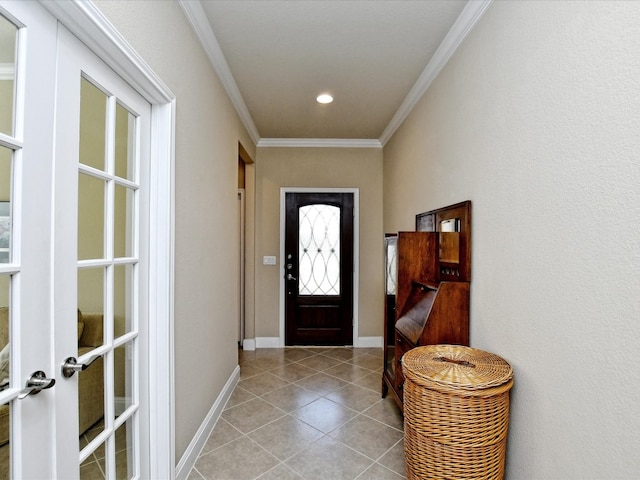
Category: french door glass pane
<point>8,33</point>
<point>6,156</point>
<point>93,118</point>
<point>125,463</point>
<point>123,222</point>
<point>124,143</point>
<point>91,193</point>
<point>123,374</point>
<point>319,250</point>
<point>91,291</point>
<point>123,304</point>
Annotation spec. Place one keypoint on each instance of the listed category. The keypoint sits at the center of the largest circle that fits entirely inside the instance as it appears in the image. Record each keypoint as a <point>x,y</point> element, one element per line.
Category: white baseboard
<point>274,342</point>
<point>368,342</point>
<point>268,342</point>
<point>190,456</point>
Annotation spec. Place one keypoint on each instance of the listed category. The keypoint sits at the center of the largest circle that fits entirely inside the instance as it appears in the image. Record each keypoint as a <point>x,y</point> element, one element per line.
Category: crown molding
<point>319,142</point>
<point>198,19</point>
<point>458,32</point>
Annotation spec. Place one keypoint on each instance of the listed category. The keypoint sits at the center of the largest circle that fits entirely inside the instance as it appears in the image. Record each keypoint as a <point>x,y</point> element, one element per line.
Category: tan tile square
<point>387,412</point>
<point>367,436</point>
<point>242,459</point>
<point>290,398</point>
<point>296,354</point>
<point>368,361</point>
<point>319,362</point>
<point>261,384</point>
<point>239,395</point>
<point>329,459</point>
<point>347,372</point>
<point>321,383</point>
<point>252,414</point>
<point>372,381</point>
<point>249,369</point>
<point>341,353</point>
<point>222,434</point>
<point>324,414</point>
<point>293,372</point>
<point>285,437</point>
<point>378,472</point>
<point>280,472</point>
<point>355,397</point>
<point>394,459</point>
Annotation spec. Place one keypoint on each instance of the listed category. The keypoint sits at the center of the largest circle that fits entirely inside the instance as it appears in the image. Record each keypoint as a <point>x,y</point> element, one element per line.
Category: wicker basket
<point>456,413</point>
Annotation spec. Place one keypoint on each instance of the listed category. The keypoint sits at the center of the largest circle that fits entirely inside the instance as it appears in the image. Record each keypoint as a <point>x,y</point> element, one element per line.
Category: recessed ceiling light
<point>324,98</point>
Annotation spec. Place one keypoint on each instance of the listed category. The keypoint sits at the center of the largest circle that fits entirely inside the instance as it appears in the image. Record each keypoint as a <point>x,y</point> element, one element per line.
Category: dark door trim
<point>356,253</point>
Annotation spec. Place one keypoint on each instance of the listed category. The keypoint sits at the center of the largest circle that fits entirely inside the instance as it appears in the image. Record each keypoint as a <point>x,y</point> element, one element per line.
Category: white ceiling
<point>376,57</point>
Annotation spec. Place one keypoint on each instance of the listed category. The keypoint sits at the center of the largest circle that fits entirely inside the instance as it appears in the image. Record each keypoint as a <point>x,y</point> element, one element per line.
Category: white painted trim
<point>269,342</point>
<point>199,440</point>
<point>7,71</point>
<point>368,342</point>
<point>356,250</point>
<point>249,344</point>
<point>319,142</point>
<point>458,32</point>
<point>198,19</point>
<point>85,21</point>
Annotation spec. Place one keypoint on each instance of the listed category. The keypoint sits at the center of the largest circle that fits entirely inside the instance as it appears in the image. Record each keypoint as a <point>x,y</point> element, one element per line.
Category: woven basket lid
<point>456,367</point>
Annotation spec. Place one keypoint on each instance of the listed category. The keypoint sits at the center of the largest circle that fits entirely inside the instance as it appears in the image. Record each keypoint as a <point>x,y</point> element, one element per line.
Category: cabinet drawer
<point>402,346</point>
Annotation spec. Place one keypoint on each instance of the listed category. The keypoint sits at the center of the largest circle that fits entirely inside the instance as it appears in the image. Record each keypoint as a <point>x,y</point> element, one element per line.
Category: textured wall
<point>535,120</point>
<point>206,168</point>
<point>319,167</point>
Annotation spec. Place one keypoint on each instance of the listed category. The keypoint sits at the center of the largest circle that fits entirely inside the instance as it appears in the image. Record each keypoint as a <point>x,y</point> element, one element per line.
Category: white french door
<point>74,216</point>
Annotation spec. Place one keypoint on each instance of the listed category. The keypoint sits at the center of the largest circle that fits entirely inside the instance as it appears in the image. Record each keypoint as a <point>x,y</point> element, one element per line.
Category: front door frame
<point>356,252</point>
<point>85,21</point>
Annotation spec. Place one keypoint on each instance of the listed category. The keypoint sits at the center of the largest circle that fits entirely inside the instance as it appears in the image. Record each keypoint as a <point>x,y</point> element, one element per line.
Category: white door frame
<point>356,254</point>
<point>85,21</point>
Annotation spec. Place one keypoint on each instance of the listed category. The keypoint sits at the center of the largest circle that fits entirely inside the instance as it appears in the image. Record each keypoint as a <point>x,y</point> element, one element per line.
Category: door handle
<point>290,277</point>
<point>71,365</point>
<point>36,382</point>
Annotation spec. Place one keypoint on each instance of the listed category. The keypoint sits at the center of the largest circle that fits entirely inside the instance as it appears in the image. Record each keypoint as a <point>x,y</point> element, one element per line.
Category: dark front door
<point>319,269</point>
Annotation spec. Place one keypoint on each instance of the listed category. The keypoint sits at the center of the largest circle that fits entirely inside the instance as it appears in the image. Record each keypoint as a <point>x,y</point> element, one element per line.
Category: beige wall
<point>319,167</point>
<point>206,169</point>
<point>535,119</point>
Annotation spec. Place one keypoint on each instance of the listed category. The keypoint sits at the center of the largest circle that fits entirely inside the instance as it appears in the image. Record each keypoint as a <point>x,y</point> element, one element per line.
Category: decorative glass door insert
<point>319,250</point>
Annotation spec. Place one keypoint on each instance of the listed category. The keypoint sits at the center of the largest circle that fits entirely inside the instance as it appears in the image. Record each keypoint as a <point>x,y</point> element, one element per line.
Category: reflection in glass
<point>123,368</point>
<point>6,157</point>
<point>93,115</point>
<point>123,226</point>
<point>93,467</point>
<point>123,305</point>
<point>90,306</point>
<point>125,468</point>
<point>90,217</point>
<point>5,354</point>
<point>8,33</point>
<point>125,147</point>
<point>319,250</point>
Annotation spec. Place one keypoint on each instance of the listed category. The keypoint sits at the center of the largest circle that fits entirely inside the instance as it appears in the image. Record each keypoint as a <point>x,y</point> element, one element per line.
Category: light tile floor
<point>306,414</point>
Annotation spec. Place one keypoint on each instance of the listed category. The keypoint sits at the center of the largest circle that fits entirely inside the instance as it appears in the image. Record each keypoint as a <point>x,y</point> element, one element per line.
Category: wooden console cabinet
<point>427,288</point>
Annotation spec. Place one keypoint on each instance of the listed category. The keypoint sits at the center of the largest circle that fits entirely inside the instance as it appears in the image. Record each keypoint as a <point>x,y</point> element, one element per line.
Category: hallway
<point>306,414</point>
